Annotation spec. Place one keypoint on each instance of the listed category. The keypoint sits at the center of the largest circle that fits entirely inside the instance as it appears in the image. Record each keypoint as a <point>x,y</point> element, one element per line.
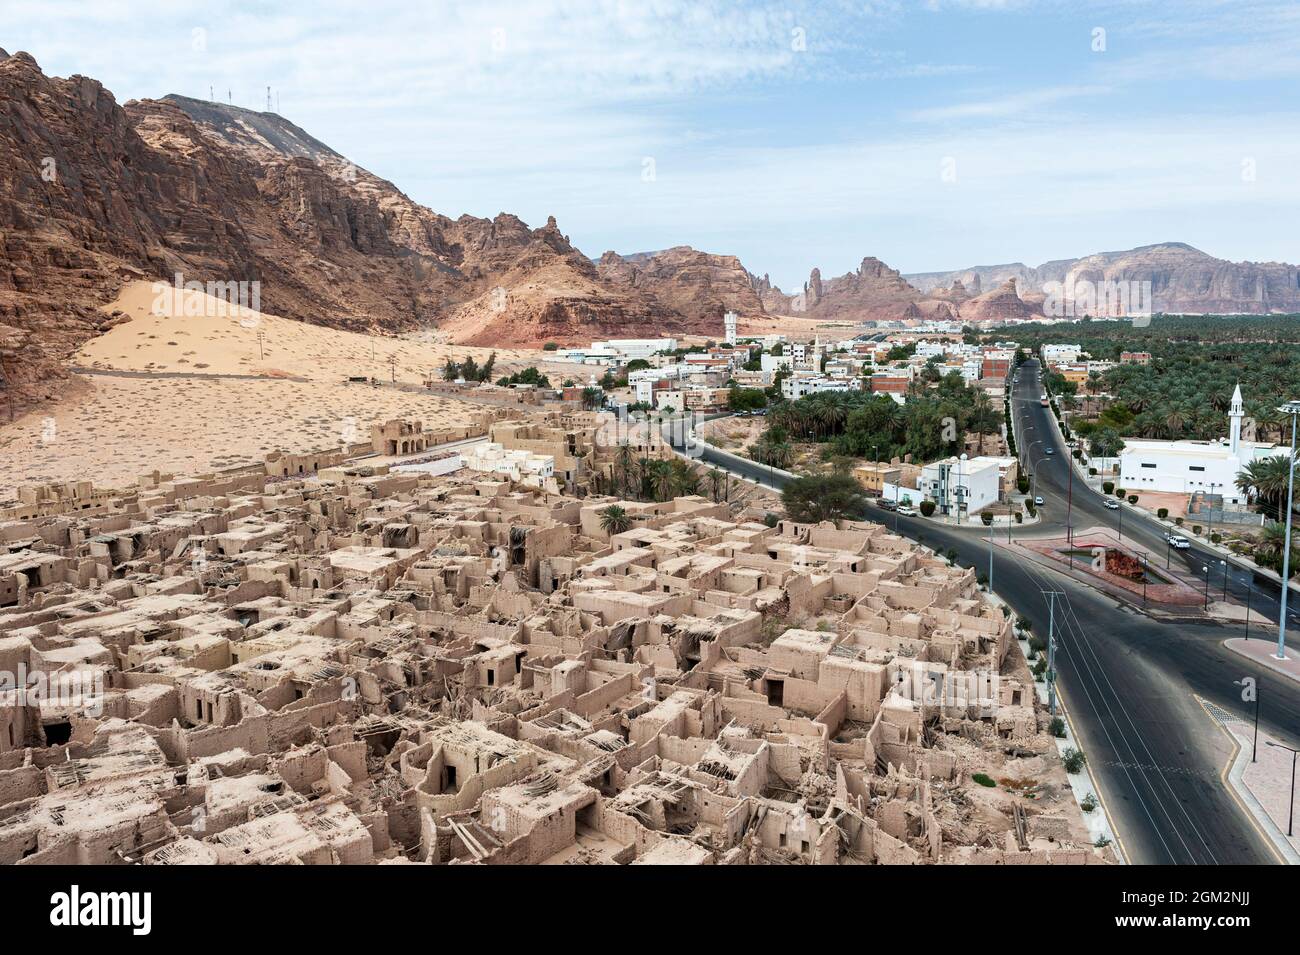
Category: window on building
<point>1148,465</point>
<point>1195,467</point>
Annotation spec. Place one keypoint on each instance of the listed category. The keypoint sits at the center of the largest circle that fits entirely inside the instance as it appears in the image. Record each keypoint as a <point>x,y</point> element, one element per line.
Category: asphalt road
<point>1127,679</point>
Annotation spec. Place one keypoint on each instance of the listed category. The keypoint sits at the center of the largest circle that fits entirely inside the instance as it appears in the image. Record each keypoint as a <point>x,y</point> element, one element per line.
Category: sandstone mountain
<point>1183,279</point>
<point>874,292</point>
<point>686,281</point>
<point>94,194</point>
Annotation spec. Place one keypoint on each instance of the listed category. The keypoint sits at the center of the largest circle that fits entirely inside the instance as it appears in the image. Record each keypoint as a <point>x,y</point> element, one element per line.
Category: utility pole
<point>1051,650</point>
<point>991,553</point>
<point>261,354</point>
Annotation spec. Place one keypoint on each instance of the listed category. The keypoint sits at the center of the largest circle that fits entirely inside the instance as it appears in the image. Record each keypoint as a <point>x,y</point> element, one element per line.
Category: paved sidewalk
<point>1263,786</point>
<point>1263,650</point>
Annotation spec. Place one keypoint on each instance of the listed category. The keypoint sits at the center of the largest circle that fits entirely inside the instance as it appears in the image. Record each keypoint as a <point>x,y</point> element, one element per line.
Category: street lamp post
<point>1206,568</point>
<point>1250,592</point>
<point>1143,561</point>
<point>1290,819</point>
<point>1224,564</point>
<point>1293,409</point>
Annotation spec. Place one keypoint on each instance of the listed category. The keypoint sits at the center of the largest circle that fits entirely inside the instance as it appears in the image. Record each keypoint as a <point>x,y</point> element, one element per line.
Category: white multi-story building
<point>1185,467</point>
<point>729,327</point>
<point>774,363</point>
<point>971,484</point>
<point>1061,354</point>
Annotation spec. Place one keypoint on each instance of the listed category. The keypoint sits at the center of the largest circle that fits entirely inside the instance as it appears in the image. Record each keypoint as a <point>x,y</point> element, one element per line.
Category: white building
<point>518,465</point>
<point>973,484</point>
<point>729,327</point>
<point>1185,467</point>
<point>629,349</point>
<point>796,386</point>
<point>774,363</point>
<point>1061,354</point>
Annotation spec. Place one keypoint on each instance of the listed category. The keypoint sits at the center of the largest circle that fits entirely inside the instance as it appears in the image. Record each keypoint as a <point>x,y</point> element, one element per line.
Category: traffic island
<point>1263,651</point>
<point>1099,558</point>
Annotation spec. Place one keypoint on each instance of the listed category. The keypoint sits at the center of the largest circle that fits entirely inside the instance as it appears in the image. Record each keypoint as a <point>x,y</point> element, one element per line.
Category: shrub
<point>1022,484</point>
<point>1119,492</point>
<point>551,346</point>
<point>1037,644</point>
<point>982,579</point>
<point>1089,804</point>
<point>1196,528</point>
<point>1215,538</point>
<point>1108,487</point>
<point>1057,727</point>
<point>1040,668</point>
<point>1178,521</point>
<point>1162,513</point>
<point>987,518</point>
<point>1024,623</point>
<point>927,508</point>
<point>1102,842</point>
<point>771,520</point>
<point>1020,518</point>
<point>1073,760</point>
<point>983,780</point>
<point>1092,472</point>
<point>1132,498</point>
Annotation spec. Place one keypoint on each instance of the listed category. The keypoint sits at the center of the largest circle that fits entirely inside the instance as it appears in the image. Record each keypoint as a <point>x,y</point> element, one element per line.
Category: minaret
<point>1235,414</point>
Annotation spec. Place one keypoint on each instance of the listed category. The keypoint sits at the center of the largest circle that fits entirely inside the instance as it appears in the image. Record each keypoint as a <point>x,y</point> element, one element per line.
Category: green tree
<point>829,497</point>
<point>615,520</point>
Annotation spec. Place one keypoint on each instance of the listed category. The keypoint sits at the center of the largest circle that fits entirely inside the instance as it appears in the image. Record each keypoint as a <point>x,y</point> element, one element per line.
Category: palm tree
<point>715,480</point>
<point>615,520</point>
<point>1266,479</point>
<point>660,474</point>
<point>624,466</point>
<point>685,480</point>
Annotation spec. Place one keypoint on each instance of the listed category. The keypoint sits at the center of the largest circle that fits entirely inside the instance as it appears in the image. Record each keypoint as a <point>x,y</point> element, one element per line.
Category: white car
<point>907,510</point>
<point>1050,451</point>
<point>1179,541</point>
<point>1112,505</point>
<point>1038,501</point>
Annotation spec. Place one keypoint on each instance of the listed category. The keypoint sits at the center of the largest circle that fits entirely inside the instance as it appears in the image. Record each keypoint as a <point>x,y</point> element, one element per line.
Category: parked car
<point>887,504</point>
<point>1038,501</point>
<point>907,510</point>
<point>1179,541</point>
<point>1050,451</point>
<point>1112,504</point>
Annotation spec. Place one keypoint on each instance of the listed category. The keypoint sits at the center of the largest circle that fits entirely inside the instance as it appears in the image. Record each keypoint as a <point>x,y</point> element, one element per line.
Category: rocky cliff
<point>687,281</point>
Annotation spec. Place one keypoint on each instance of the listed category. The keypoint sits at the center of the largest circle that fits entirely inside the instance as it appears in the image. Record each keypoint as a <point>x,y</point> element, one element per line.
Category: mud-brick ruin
<point>362,664</point>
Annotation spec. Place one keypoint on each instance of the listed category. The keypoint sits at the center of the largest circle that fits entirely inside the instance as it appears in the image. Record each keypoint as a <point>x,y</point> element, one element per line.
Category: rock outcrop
<point>690,282</point>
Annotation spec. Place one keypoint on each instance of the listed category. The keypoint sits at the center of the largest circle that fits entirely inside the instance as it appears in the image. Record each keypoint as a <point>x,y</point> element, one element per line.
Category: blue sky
<point>934,134</point>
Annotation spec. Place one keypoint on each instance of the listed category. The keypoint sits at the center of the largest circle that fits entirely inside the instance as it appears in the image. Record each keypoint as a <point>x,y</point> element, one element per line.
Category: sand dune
<point>202,334</point>
<point>290,393</point>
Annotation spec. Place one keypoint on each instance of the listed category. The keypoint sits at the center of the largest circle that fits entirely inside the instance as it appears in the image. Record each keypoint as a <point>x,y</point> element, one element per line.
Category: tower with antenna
<point>268,99</point>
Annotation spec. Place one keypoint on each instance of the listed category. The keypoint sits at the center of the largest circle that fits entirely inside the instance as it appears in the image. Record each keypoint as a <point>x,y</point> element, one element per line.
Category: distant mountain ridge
<point>1183,279</point>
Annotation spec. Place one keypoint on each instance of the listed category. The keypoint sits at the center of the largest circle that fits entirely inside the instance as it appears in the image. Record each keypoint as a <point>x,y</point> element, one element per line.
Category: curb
<point>1233,782</point>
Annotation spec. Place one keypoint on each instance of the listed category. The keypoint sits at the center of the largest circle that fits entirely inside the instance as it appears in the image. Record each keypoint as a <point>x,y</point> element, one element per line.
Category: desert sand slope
<point>158,399</point>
